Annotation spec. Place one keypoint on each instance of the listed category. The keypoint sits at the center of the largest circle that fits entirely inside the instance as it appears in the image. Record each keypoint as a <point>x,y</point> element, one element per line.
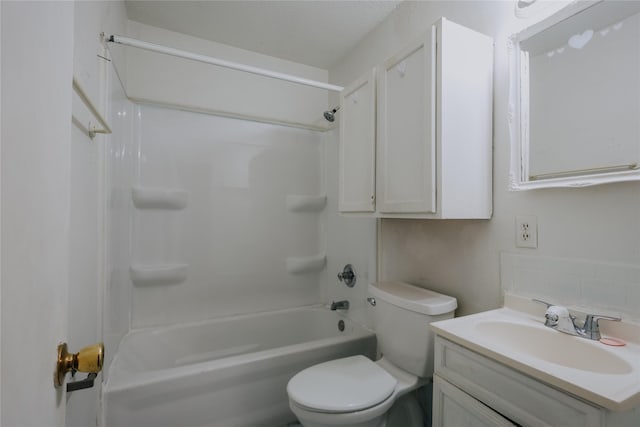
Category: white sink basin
<point>604,375</point>
<point>553,347</point>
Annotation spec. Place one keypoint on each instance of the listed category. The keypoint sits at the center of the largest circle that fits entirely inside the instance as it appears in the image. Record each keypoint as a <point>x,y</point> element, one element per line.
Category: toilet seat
<point>340,386</point>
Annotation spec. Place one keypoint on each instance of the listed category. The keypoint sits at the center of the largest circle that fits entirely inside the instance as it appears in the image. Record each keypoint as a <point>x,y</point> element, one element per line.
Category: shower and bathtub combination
<point>230,372</point>
<point>222,259</point>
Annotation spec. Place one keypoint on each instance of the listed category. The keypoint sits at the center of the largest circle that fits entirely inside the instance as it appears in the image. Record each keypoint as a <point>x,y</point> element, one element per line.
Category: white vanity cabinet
<point>426,114</point>
<point>467,384</point>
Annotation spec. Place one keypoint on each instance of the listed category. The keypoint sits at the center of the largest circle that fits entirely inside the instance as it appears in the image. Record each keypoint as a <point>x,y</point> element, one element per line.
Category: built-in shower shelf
<point>157,275</point>
<point>304,203</point>
<point>159,198</point>
<point>306,264</point>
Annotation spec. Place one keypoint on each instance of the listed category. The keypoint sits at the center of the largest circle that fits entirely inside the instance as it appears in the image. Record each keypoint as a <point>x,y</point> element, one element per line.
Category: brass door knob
<point>89,359</point>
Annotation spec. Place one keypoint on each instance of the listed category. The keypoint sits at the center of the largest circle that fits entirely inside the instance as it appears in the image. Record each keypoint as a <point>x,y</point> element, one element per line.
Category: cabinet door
<point>454,408</point>
<point>406,130</point>
<point>357,146</point>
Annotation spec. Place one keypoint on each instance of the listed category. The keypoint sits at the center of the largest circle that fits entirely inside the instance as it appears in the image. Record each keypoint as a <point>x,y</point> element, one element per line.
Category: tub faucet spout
<point>340,305</point>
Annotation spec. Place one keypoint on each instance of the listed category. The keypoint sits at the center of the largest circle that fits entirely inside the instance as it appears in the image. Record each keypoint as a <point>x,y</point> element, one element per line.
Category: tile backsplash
<point>605,286</point>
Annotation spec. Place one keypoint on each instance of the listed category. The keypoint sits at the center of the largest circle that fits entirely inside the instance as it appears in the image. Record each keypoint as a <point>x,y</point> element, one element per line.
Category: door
<point>454,408</point>
<point>406,157</point>
<point>357,145</point>
<point>45,250</point>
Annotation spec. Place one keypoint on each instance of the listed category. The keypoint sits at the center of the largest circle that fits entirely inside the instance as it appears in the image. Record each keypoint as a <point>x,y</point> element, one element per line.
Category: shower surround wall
<point>119,168</point>
<point>250,226</point>
<point>222,249</point>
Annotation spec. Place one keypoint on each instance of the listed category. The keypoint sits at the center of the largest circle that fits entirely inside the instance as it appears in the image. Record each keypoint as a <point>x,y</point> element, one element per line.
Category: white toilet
<point>356,392</point>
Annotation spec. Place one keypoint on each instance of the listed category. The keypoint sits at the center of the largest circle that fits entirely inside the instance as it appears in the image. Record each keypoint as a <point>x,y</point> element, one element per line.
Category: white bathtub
<point>224,372</point>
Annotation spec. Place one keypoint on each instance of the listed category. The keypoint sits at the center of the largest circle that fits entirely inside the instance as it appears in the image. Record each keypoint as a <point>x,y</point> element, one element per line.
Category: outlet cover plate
<point>526,231</point>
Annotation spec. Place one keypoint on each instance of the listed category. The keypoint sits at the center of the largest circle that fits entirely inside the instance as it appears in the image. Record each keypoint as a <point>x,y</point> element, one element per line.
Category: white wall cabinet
<point>430,127</point>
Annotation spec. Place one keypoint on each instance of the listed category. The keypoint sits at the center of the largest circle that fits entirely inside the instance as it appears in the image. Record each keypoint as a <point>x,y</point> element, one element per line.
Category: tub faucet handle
<point>348,276</point>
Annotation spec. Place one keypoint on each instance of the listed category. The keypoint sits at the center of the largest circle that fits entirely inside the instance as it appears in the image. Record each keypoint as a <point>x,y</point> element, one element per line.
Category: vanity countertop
<point>515,335</point>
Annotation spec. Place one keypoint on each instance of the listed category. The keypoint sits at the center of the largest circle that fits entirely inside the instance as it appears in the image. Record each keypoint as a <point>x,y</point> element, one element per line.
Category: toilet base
<point>405,412</point>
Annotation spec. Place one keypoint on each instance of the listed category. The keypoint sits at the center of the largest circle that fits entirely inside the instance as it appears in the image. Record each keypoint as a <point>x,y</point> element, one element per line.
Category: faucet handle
<point>551,318</point>
<point>552,315</point>
<point>592,328</point>
<point>596,317</point>
<point>560,318</point>
<point>348,276</point>
<point>555,315</point>
<point>542,302</point>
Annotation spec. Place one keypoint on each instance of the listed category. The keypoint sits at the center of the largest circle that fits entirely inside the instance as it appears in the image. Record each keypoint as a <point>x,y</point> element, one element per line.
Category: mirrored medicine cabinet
<point>575,97</point>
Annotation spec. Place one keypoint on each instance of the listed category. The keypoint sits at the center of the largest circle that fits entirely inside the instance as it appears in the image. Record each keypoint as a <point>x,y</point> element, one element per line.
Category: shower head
<point>331,115</point>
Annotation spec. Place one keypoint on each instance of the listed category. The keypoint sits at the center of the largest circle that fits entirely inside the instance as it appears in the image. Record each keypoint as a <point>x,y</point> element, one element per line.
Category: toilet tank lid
<point>413,298</point>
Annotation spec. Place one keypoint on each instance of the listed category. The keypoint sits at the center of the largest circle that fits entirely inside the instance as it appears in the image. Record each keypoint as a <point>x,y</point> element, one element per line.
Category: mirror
<point>575,97</point>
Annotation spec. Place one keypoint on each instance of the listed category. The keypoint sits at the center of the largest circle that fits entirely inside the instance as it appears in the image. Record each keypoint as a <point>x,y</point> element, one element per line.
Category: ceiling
<point>312,32</point>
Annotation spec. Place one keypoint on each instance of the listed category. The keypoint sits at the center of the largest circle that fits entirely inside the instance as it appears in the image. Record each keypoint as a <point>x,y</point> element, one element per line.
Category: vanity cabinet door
<point>357,146</point>
<point>406,129</point>
<point>454,408</point>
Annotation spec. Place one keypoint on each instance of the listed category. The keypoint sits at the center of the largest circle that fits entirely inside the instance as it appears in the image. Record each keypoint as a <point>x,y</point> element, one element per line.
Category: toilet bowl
<point>353,391</point>
<point>358,392</point>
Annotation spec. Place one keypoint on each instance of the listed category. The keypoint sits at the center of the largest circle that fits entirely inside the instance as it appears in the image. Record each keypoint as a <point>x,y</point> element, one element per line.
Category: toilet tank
<point>401,319</point>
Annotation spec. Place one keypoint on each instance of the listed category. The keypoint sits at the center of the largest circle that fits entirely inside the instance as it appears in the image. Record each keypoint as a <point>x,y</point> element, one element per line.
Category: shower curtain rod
<point>220,62</point>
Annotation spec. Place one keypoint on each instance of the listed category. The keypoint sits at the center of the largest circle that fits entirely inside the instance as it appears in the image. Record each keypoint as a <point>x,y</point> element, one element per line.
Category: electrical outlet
<point>526,231</point>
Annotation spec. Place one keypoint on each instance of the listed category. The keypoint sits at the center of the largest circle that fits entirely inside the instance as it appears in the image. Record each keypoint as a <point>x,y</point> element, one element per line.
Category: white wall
<point>168,80</point>
<point>349,241</point>
<point>462,258</point>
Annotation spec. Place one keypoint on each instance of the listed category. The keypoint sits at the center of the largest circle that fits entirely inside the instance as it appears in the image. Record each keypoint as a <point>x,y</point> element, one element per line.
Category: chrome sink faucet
<point>340,305</point>
<point>559,318</point>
